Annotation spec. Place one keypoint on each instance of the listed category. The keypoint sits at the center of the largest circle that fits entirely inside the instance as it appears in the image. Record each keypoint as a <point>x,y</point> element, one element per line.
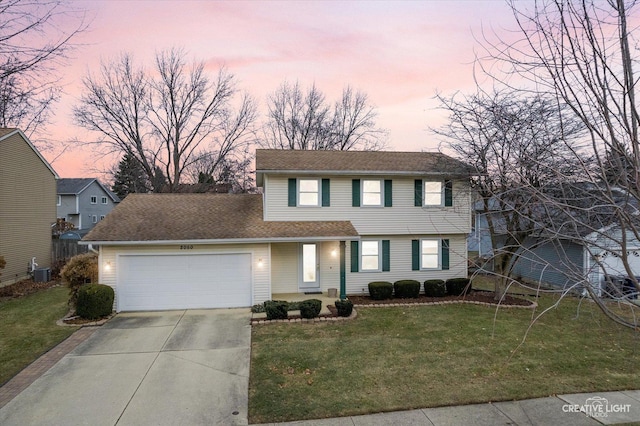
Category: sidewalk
<point>606,408</point>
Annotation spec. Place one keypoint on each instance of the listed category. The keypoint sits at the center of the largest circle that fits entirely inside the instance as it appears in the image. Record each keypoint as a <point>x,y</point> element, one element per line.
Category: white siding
<point>402,218</point>
<point>261,281</point>
<point>400,256</point>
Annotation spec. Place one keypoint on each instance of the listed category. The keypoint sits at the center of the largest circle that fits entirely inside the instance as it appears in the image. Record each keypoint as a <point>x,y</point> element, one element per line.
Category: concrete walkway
<point>606,408</point>
<point>161,368</point>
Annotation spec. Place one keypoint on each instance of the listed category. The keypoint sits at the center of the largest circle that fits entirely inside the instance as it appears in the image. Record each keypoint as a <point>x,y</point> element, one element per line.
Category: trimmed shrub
<point>94,301</point>
<point>380,290</point>
<point>310,308</point>
<point>435,288</point>
<point>3,263</point>
<point>457,286</point>
<point>344,307</point>
<point>276,309</point>
<point>259,308</point>
<point>406,289</point>
<point>79,270</point>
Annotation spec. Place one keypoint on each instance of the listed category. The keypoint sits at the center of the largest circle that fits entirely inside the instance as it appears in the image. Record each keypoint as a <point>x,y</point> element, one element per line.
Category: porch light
<point>334,253</point>
<point>260,263</point>
<point>107,266</point>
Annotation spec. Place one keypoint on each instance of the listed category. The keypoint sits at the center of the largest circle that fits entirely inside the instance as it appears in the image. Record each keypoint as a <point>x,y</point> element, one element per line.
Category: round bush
<point>458,286</point>
<point>380,290</point>
<point>344,307</point>
<point>435,288</point>
<point>310,308</point>
<point>94,301</point>
<point>276,309</point>
<point>407,289</point>
<point>79,270</point>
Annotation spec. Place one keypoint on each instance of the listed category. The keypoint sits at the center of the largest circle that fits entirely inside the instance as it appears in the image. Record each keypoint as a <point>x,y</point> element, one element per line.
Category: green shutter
<point>417,185</point>
<point>415,255</point>
<point>326,193</point>
<point>388,194</point>
<point>355,258</point>
<point>355,192</point>
<point>386,255</point>
<point>445,254</point>
<point>292,192</point>
<point>448,193</point>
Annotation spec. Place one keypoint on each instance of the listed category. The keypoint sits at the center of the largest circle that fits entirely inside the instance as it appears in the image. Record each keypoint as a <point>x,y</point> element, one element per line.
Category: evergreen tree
<point>129,177</point>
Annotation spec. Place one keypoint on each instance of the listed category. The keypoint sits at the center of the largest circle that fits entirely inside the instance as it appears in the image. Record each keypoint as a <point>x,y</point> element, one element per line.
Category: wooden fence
<point>64,249</point>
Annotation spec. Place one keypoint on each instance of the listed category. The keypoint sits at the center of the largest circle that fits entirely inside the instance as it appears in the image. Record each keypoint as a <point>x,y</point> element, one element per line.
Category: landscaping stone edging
<point>61,322</point>
<point>353,315</point>
<point>446,302</point>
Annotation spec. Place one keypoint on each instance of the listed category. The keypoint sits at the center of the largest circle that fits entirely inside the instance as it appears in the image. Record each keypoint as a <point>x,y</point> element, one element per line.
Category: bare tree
<point>581,54</point>
<point>167,119</point>
<point>304,120</point>
<point>35,40</point>
<point>518,147</point>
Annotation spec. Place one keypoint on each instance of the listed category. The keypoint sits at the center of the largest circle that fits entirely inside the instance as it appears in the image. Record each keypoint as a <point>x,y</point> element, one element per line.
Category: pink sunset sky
<point>399,53</point>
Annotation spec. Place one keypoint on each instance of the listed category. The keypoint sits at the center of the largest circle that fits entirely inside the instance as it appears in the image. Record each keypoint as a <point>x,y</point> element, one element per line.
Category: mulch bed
<point>473,296</point>
<point>24,288</point>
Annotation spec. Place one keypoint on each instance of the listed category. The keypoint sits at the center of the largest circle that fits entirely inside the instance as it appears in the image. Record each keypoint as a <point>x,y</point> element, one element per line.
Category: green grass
<point>416,357</point>
<point>28,328</point>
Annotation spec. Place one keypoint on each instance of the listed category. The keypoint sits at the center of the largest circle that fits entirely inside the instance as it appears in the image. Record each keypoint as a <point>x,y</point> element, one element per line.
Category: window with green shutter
<point>326,193</point>
<point>386,255</point>
<point>448,193</point>
<point>445,254</point>
<point>293,192</point>
<point>355,256</point>
<point>417,185</point>
<point>415,255</point>
<point>388,193</point>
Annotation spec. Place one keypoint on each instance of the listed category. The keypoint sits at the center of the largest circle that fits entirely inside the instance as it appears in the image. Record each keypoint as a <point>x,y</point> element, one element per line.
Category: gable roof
<point>215,218</point>
<point>5,133</point>
<point>358,162</point>
<point>74,186</point>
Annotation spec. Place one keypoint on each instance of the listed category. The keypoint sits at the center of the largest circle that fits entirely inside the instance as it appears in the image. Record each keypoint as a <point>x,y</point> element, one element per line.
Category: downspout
<point>343,271</point>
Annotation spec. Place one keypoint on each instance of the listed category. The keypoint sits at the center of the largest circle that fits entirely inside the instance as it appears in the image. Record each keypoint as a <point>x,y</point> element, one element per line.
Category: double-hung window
<point>104,200</point>
<point>433,193</point>
<point>94,199</point>
<point>430,253</point>
<point>371,192</point>
<point>308,192</point>
<point>370,258</point>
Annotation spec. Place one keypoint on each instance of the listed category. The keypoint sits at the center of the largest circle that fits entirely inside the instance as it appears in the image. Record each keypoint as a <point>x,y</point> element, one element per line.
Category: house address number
<point>186,247</point>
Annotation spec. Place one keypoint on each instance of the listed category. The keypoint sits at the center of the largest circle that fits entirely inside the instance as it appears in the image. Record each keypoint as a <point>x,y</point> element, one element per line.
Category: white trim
<point>361,254</point>
<point>439,254</point>
<point>424,192</point>
<point>382,194</point>
<point>318,192</point>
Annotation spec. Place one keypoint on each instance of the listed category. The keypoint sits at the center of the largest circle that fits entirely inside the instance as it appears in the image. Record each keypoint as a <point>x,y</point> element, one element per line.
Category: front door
<point>310,267</point>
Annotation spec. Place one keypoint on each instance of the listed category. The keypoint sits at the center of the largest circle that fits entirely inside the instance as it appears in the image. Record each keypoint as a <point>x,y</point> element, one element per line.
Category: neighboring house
<point>84,201</point>
<point>27,205</point>
<point>326,219</point>
<point>588,252</point>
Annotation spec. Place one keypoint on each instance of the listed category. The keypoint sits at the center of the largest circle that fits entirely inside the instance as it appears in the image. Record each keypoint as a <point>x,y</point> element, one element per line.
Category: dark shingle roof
<point>189,217</point>
<point>419,163</point>
<point>74,186</point>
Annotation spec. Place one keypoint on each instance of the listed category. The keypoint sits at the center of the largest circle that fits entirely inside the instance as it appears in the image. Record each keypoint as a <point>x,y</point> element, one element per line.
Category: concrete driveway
<point>162,368</point>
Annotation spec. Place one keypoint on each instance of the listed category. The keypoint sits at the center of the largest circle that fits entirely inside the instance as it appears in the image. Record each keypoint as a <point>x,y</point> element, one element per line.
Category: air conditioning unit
<point>42,275</point>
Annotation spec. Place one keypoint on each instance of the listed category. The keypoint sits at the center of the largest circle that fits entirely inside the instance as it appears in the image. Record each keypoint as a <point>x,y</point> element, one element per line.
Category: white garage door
<point>158,282</point>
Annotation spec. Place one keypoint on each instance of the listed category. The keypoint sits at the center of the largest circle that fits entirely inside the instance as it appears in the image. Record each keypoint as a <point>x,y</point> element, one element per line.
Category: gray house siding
<point>559,264</point>
<point>79,210</point>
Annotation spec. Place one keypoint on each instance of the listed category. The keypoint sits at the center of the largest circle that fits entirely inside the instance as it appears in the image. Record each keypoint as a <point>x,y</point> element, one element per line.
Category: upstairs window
<point>104,200</point>
<point>433,193</point>
<point>371,192</point>
<point>308,192</point>
<point>94,199</point>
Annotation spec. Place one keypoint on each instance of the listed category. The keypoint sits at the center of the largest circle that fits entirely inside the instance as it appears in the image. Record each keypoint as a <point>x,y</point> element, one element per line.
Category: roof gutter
<point>223,241</point>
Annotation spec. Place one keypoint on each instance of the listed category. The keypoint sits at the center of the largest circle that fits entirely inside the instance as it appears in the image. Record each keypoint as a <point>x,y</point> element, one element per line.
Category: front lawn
<point>28,328</point>
<point>416,357</point>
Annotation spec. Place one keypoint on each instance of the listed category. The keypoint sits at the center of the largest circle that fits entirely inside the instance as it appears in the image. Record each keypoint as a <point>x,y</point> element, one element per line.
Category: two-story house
<point>84,201</point>
<point>27,206</point>
<point>325,219</point>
